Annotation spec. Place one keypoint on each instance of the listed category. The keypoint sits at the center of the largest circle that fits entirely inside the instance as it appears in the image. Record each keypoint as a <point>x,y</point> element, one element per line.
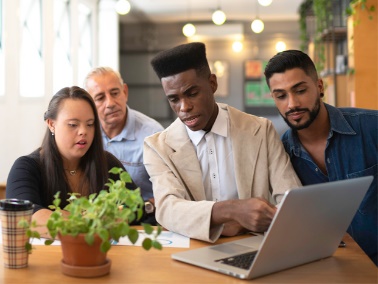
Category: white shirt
<point>214,152</point>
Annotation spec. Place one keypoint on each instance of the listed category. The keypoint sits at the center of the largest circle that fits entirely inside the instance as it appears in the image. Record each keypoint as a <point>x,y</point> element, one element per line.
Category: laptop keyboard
<point>243,261</point>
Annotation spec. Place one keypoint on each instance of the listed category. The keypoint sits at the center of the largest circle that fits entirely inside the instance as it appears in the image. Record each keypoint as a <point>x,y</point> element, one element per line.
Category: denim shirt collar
<point>338,124</point>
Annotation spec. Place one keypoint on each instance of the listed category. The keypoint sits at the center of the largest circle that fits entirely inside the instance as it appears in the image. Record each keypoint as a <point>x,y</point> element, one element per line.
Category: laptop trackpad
<point>232,248</point>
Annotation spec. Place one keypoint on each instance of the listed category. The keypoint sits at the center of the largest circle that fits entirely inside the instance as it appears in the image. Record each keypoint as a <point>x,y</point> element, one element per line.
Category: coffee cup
<point>14,237</point>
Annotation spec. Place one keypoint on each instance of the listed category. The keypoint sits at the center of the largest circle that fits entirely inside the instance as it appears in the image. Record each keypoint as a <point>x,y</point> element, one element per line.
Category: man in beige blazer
<point>215,170</point>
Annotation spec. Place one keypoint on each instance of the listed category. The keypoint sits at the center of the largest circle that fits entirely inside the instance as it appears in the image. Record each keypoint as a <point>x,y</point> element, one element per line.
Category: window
<point>31,54</point>
<point>85,63</point>
<point>62,62</point>
<point>2,73</point>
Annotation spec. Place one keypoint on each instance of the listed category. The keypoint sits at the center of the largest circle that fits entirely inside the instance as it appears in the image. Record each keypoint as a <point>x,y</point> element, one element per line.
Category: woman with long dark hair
<point>71,158</point>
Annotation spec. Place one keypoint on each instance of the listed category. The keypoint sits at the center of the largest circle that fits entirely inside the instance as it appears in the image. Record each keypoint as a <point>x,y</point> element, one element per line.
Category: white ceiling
<point>166,11</point>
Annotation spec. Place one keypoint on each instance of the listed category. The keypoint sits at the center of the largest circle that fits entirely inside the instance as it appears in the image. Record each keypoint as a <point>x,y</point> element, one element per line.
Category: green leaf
<point>35,234</point>
<point>148,228</point>
<point>349,11</point>
<point>48,242</point>
<point>115,170</point>
<point>105,246</point>
<point>147,243</point>
<point>28,247</point>
<point>89,238</point>
<point>157,245</point>
<point>125,177</point>
<point>123,229</point>
<point>28,233</point>
<point>133,235</point>
<point>140,213</point>
<point>103,234</point>
<point>23,224</point>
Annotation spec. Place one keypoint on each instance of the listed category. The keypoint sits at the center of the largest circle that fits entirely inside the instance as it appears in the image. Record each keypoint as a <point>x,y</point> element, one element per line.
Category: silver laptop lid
<point>309,224</point>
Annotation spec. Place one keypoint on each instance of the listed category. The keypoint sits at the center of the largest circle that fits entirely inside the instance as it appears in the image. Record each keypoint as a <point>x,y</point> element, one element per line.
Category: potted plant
<point>93,223</point>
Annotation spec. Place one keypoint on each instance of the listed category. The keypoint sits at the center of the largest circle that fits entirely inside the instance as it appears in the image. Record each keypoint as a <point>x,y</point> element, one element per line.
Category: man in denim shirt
<point>326,143</point>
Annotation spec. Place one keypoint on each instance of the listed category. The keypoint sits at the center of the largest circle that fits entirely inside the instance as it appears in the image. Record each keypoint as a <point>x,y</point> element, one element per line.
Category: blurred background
<point>46,45</point>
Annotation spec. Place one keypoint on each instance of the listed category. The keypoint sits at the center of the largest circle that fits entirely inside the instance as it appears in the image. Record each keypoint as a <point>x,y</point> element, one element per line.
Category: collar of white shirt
<point>220,127</point>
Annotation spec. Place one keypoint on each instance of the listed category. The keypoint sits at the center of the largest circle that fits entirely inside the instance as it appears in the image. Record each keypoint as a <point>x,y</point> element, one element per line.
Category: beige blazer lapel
<point>245,146</point>
<point>185,160</point>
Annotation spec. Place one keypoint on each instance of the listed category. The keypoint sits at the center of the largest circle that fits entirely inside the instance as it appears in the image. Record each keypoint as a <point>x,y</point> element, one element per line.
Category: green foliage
<point>354,5</point>
<point>107,214</point>
<point>322,13</point>
<point>351,9</point>
<point>303,11</point>
<point>31,234</point>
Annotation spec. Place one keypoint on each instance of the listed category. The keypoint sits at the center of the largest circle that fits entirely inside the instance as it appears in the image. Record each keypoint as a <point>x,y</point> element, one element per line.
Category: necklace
<point>72,173</point>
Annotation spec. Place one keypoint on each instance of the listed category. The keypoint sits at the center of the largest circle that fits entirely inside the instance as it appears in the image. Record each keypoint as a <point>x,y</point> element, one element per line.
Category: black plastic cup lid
<point>15,204</point>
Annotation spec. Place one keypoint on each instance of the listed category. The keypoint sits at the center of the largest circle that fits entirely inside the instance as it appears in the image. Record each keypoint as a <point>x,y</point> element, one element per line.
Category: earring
<point>52,132</point>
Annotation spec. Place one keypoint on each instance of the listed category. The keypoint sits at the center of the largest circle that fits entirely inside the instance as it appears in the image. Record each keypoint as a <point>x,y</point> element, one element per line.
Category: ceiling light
<point>280,46</point>
<point>257,26</point>
<point>189,30</point>
<point>219,17</point>
<point>237,46</point>
<point>122,7</point>
<point>265,2</point>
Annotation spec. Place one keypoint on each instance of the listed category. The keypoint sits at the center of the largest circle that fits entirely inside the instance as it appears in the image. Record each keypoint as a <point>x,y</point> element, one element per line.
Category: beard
<point>313,114</point>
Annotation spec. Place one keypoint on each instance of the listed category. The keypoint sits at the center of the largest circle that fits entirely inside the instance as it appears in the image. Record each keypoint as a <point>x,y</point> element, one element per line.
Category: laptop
<point>309,225</point>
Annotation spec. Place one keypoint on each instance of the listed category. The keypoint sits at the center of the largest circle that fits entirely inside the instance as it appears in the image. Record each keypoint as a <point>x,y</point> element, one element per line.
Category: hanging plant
<point>354,5</point>
<point>322,9</point>
<point>304,10</point>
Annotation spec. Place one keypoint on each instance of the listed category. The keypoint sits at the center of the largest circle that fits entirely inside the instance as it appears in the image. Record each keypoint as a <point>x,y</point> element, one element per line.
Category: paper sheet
<point>166,238</point>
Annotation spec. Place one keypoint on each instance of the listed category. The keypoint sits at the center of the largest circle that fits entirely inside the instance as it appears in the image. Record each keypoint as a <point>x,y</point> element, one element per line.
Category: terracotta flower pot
<point>77,252</point>
<point>81,259</point>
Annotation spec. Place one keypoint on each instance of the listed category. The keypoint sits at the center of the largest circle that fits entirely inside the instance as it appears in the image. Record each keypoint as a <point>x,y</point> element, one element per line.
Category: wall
<point>22,126</point>
<point>140,42</point>
<point>365,44</point>
<point>21,119</point>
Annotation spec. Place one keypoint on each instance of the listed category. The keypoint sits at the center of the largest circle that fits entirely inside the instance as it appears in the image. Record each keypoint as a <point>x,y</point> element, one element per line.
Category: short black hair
<point>181,58</point>
<point>290,59</point>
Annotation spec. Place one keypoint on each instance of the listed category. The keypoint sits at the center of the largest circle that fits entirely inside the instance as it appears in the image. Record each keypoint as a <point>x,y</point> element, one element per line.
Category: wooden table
<point>134,265</point>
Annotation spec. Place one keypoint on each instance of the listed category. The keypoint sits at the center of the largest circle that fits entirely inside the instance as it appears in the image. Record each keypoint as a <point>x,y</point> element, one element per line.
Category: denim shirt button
<point>316,169</point>
<point>328,161</point>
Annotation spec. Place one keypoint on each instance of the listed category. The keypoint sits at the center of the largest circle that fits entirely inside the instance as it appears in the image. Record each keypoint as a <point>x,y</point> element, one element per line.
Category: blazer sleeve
<point>176,209</point>
<point>282,176</point>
